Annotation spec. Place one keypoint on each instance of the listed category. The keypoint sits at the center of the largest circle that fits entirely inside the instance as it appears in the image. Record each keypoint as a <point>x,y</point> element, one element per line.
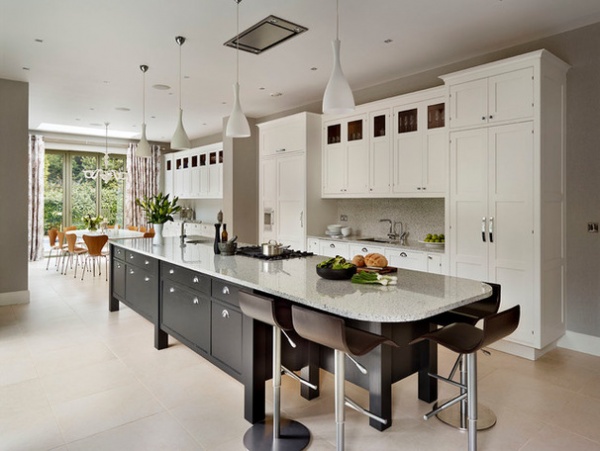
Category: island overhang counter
<point>188,292</point>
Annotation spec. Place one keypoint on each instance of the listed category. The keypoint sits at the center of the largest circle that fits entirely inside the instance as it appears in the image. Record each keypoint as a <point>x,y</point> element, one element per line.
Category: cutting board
<point>377,270</point>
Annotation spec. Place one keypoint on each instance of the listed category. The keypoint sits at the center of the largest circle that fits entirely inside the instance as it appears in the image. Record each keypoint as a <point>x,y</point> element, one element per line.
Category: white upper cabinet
<point>282,138</point>
<point>503,97</point>
<point>345,157</point>
<point>420,154</point>
<point>380,152</point>
<point>195,173</point>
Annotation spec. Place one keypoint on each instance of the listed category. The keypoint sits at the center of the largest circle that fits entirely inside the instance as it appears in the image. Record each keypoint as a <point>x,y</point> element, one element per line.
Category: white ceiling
<point>88,63</point>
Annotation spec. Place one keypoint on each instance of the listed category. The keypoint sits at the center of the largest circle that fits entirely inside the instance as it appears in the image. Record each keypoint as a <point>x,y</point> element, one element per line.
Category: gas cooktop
<point>256,252</point>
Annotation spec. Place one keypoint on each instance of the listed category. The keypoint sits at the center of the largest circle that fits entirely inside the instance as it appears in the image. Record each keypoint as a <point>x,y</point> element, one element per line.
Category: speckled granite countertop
<point>418,294</point>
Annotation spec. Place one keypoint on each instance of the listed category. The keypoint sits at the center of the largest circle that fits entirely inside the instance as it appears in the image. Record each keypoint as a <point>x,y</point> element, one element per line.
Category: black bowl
<point>336,274</point>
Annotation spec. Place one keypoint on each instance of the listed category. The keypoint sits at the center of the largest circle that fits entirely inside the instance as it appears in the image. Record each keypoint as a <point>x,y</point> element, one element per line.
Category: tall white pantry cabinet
<point>506,200</point>
<point>290,203</point>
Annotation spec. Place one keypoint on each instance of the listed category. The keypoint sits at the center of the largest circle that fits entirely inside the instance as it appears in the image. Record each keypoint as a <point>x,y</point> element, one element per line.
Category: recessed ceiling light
<point>161,87</point>
<point>91,109</point>
<point>313,68</point>
<point>261,89</point>
<point>39,40</point>
<point>276,94</point>
<point>106,82</point>
<point>122,108</point>
<point>25,68</point>
<point>186,76</point>
<point>388,41</point>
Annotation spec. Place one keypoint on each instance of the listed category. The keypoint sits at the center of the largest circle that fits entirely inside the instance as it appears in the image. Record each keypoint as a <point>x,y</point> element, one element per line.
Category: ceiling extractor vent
<point>265,34</point>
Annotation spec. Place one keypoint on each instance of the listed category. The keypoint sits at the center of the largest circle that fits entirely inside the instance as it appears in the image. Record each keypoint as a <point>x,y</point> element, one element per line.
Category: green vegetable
<point>337,262</point>
<point>371,277</point>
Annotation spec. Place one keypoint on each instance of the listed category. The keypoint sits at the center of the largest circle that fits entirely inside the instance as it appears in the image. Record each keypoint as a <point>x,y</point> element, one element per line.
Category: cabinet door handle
<point>225,313</point>
<point>483,229</point>
<point>280,150</point>
<point>491,116</point>
<point>196,280</point>
<point>171,271</point>
<point>491,229</point>
<point>171,290</point>
<point>146,279</point>
<point>483,118</point>
<point>301,219</point>
<point>403,254</point>
<point>418,188</point>
<point>225,290</point>
<point>196,300</point>
<point>424,188</point>
<point>430,257</point>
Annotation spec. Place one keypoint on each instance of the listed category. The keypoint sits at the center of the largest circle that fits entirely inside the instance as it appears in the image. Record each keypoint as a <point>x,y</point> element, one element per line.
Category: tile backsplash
<point>418,216</point>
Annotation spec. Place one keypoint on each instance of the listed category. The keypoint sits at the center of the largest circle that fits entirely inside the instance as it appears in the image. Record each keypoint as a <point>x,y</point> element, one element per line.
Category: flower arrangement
<point>158,209</point>
<point>91,222</point>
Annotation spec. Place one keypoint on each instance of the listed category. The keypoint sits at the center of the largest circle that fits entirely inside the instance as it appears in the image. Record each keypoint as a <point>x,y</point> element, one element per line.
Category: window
<point>69,195</point>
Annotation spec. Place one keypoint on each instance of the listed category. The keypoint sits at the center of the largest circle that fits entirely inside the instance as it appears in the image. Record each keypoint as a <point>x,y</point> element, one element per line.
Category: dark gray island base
<point>191,294</point>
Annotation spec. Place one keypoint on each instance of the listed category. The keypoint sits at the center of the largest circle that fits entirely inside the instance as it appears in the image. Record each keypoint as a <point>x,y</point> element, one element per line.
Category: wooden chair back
<point>142,229</point>
<point>60,239</point>
<point>71,240</point>
<point>52,234</point>
<point>150,233</point>
<point>134,228</point>
<point>95,243</point>
<point>70,228</point>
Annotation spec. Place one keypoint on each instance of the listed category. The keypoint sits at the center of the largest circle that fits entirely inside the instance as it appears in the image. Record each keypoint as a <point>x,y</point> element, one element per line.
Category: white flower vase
<point>157,240</point>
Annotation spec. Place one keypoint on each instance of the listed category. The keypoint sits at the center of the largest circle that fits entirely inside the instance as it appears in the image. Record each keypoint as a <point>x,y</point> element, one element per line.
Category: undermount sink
<point>380,240</point>
<point>198,239</point>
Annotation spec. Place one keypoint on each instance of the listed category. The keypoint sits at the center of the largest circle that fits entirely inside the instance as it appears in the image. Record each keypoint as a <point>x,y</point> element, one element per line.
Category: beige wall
<point>14,111</point>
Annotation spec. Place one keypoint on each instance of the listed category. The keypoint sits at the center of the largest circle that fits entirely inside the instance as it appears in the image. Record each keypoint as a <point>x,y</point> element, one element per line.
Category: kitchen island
<point>188,292</point>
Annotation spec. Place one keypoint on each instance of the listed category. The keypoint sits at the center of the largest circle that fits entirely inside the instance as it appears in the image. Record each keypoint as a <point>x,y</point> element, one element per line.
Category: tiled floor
<point>75,377</point>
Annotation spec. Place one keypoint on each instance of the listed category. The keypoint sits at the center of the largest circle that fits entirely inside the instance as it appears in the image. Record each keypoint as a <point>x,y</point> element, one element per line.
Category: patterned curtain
<point>36,198</point>
<point>142,180</point>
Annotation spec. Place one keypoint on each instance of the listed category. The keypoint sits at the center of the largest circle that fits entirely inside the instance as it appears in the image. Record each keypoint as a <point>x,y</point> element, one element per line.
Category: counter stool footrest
<point>444,406</point>
<point>364,411</point>
<point>294,376</point>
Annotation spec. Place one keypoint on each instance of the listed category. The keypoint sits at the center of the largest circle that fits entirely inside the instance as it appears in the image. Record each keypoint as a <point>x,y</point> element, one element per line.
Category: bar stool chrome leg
<point>340,397</point>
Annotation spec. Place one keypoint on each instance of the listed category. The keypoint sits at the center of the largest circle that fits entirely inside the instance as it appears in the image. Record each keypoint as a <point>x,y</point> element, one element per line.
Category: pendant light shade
<point>180,138</point>
<point>237,125</point>
<point>338,97</point>
<point>143,147</point>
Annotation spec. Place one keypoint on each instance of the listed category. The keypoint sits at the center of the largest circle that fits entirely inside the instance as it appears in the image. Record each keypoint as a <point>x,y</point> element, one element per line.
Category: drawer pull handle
<point>131,271</point>
<point>364,249</point>
<point>171,271</point>
<point>403,254</point>
<point>280,150</point>
<point>430,257</point>
<point>196,280</point>
<point>146,279</point>
<point>332,246</point>
<point>196,300</point>
<point>171,290</point>
<point>225,290</point>
<point>225,314</point>
<point>131,257</point>
<point>146,262</point>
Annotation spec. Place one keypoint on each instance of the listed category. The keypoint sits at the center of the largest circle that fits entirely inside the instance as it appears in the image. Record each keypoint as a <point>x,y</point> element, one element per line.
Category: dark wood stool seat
<point>284,435</point>
<point>471,313</point>
<point>332,331</point>
<point>467,339</point>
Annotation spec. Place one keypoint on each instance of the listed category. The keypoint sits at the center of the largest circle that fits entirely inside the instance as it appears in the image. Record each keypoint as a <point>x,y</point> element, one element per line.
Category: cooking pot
<point>272,248</point>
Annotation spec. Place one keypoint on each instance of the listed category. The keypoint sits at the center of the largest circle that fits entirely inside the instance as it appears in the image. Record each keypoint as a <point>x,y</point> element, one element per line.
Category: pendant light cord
<point>237,42</point>
<point>144,96</point>
<point>337,19</point>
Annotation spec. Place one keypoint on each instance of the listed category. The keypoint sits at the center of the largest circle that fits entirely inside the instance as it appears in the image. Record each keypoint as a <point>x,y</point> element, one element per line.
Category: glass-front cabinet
<point>196,173</point>
<point>345,157</point>
<point>420,148</point>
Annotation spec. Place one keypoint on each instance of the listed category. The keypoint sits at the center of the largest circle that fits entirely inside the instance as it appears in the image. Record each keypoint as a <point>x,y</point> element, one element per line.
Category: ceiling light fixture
<point>237,125</point>
<point>180,138</point>
<point>143,147</point>
<point>106,175</point>
<point>338,98</point>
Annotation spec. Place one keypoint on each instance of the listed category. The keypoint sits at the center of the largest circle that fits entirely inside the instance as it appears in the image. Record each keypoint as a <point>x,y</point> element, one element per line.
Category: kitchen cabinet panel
<point>226,335</point>
<point>405,259</point>
<point>290,204</point>
<point>364,249</point>
<point>196,173</point>
<point>380,152</point>
<point>332,248</point>
<point>505,182</point>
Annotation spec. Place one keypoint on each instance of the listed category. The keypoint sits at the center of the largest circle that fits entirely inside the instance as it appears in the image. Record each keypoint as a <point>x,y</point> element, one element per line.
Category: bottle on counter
<point>224,234</point>
<point>217,238</point>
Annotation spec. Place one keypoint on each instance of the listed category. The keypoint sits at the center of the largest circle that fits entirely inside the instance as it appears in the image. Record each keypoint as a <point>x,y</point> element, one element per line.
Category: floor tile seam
<point>189,432</point>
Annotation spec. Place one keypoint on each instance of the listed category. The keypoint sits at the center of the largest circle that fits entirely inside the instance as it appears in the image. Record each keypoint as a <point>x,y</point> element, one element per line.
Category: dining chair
<point>150,233</point>
<point>72,251</point>
<point>142,229</point>
<point>52,236</point>
<point>95,244</point>
<point>61,247</point>
<point>131,227</point>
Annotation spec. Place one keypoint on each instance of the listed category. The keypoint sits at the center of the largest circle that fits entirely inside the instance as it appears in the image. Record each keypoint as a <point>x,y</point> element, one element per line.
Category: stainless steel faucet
<point>391,232</point>
<point>183,235</point>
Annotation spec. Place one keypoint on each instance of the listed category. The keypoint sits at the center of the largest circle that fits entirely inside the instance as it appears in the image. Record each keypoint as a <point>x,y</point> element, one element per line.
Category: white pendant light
<point>180,138</point>
<point>338,98</point>
<point>237,125</point>
<point>143,147</point>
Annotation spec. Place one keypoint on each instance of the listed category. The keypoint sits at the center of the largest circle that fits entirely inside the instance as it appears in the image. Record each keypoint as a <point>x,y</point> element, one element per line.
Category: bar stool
<point>331,331</point>
<point>467,339</point>
<point>456,415</point>
<point>287,435</point>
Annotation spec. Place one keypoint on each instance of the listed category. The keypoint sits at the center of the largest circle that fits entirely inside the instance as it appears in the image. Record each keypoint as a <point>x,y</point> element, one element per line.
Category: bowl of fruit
<point>336,268</point>
<point>434,240</point>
